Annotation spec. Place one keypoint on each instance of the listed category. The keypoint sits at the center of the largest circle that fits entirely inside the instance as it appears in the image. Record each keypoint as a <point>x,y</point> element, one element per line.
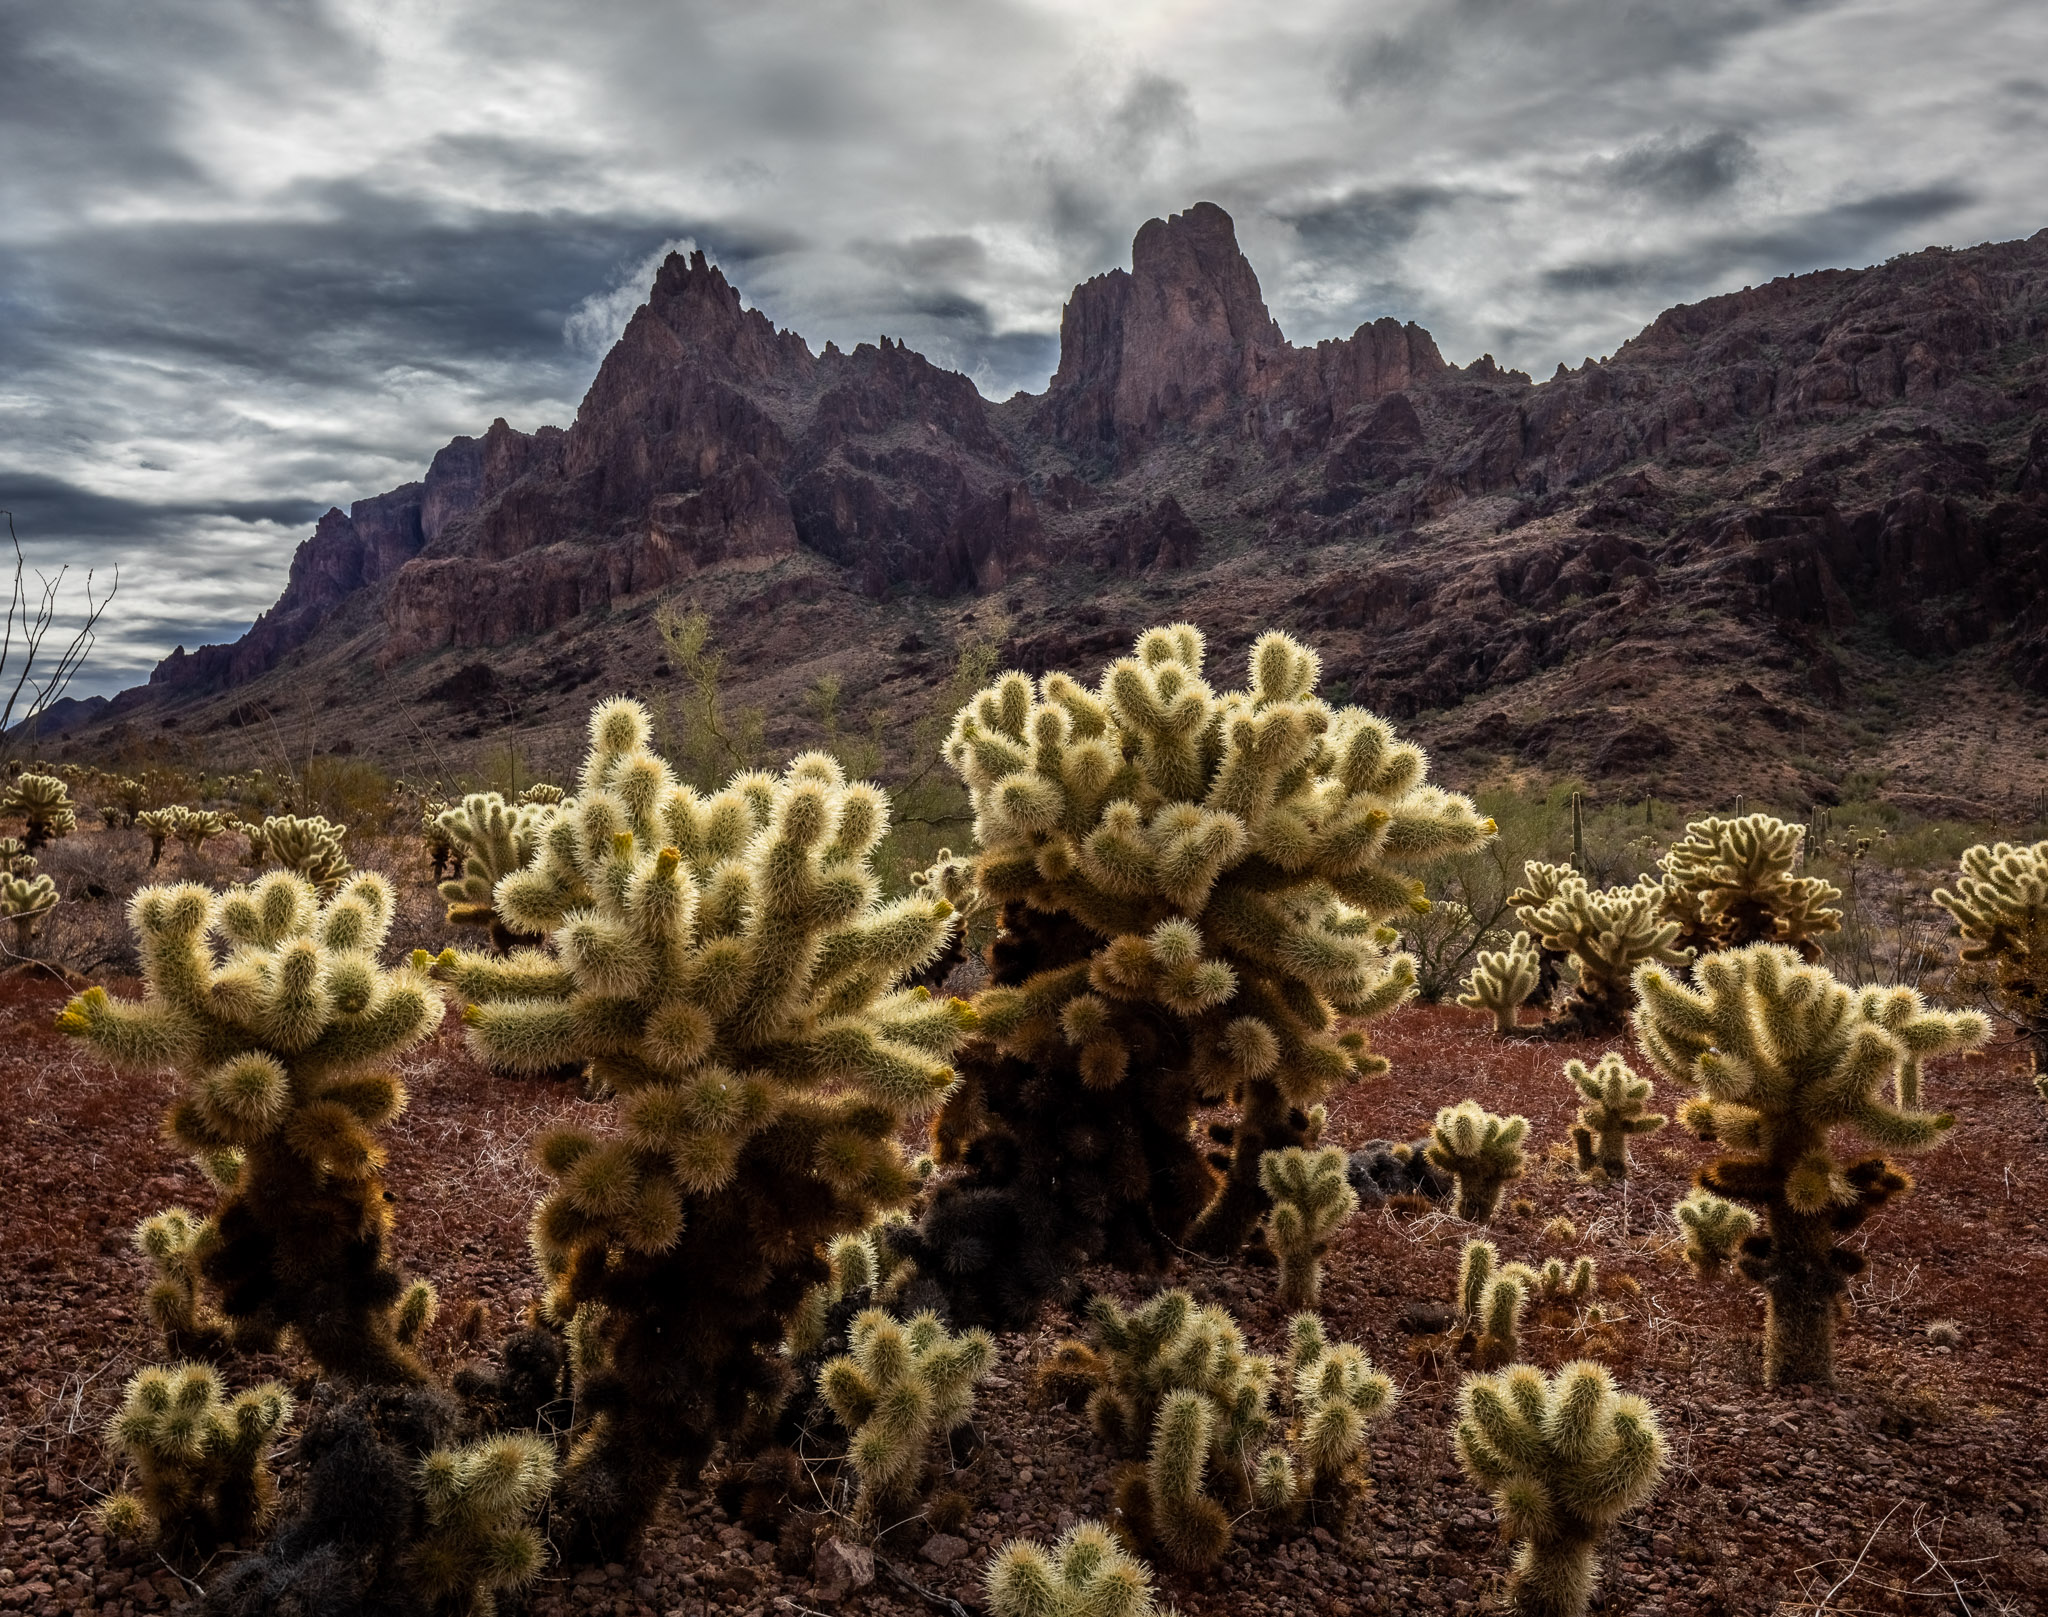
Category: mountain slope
<point>1781,535</point>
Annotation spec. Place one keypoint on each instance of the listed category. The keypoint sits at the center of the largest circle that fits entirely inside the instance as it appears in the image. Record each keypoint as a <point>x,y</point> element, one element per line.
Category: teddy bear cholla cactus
<point>194,828</point>
<point>1501,981</point>
<point>477,1544</point>
<point>1714,1230</point>
<point>26,901</point>
<point>1784,1056</point>
<point>1603,934</point>
<point>1194,885</point>
<point>1729,883</point>
<point>1612,1110</point>
<point>160,825</point>
<point>43,804</point>
<point>201,1458</point>
<point>1312,1197</point>
<point>280,1047</point>
<point>491,839</point>
<point>1565,1458</point>
<point>901,1385</point>
<point>1482,1152</point>
<point>2000,906</point>
<point>1491,1299</point>
<point>722,966</point>
<point>1086,1575</point>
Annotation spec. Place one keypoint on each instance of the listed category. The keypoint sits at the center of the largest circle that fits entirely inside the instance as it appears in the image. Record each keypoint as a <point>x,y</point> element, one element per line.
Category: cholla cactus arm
<point>1499,1321</point>
<point>1311,1200</point>
<point>279,1049</point>
<point>1729,883</point>
<point>1337,1395</point>
<point>1481,1151</point>
<point>26,901</point>
<point>1086,1575</point>
<point>2000,906</point>
<point>491,839</point>
<point>1713,1229</point>
<point>1565,1458</point>
<point>477,1543</point>
<point>176,1242</point>
<point>1501,981</point>
<point>1603,934</point>
<point>1784,1057</point>
<point>201,1459</point>
<point>1220,867</point>
<point>43,805</point>
<point>723,968</point>
<point>1191,1529</point>
<point>1613,1100</point>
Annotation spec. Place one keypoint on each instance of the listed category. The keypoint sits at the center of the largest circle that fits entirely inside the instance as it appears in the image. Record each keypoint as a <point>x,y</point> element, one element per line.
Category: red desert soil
<point>1917,1487</point>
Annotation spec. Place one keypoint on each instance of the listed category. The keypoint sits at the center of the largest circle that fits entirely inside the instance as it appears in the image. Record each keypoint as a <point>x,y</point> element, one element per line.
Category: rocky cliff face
<point>1727,528</point>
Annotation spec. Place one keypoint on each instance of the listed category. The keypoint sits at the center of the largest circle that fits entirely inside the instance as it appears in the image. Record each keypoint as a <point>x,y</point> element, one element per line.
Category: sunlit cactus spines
<point>1086,1574</point>
<point>201,1459</point>
<point>43,805</point>
<point>1338,1394</point>
<point>477,1542</point>
<point>159,825</point>
<point>26,901</point>
<point>542,794</point>
<point>1714,1231</point>
<point>308,846</point>
<point>1603,935</point>
<point>1311,1200</point>
<point>723,967</point>
<point>176,1242</point>
<point>901,1385</point>
<point>1612,1102</point>
<point>491,839</point>
<point>194,828</point>
<point>1730,883</point>
<point>1496,1329</point>
<point>1785,1059</point>
<point>1501,981</point>
<point>1565,1457</point>
<point>2000,907</point>
<point>1194,885</point>
<point>269,1005</point>
<point>1482,1153</point>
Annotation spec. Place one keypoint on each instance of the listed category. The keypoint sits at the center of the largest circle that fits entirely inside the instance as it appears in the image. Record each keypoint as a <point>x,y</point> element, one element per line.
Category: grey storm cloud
<point>265,256</point>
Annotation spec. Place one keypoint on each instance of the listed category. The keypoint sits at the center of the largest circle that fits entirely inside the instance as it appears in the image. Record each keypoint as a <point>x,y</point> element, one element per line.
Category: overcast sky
<point>264,256</point>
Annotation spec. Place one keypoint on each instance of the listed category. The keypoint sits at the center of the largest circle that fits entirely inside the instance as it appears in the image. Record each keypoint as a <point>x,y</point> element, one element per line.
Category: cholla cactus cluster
<point>159,825</point>
<point>176,1242</point>
<point>491,839</point>
<point>900,1385</point>
<point>309,846</point>
<point>1180,1385</point>
<point>2000,906</point>
<point>194,828</point>
<point>1714,1229</point>
<point>1087,1574</point>
<point>1784,1057</point>
<point>1312,1197</point>
<point>1565,1458</point>
<point>1502,980</point>
<point>1195,885</point>
<point>201,1458</point>
<point>1729,883</point>
<point>280,1047</point>
<point>1482,1153</point>
<point>477,1543</point>
<point>1604,934</point>
<point>26,900</point>
<point>1612,1106</point>
<point>43,805</point>
<point>722,966</point>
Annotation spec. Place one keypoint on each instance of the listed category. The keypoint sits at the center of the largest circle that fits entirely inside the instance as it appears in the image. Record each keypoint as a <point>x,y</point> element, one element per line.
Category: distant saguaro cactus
<point>1501,981</point>
<point>43,805</point>
<point>1784,1056</point>
<point>280,1049</point>
<point>1565,1458</point>
<point>1311,1200</point>
<point>201,1458</point>
<point>1613,1100</point>
<point>1482,1152</point>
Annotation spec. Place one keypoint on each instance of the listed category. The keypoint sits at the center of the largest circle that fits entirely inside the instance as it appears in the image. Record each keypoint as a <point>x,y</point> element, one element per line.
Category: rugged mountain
<point>1781,535</point>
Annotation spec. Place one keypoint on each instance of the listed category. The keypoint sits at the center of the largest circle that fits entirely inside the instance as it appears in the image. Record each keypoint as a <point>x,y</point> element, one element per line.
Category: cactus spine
<point>723,968</point>
<point>1194,886</point>
<point>1086,1575</point>
<point>1482,1152</point>
<point>1614,1098</point>
<point>201,1459</point>
<point>1311,1200</point>
<point>900,1386</point>
<point>280,1050</point>
<point>1729,883</point>
<point>1565,1458</point>
<point>1501,981</point>
<point>43,805</point>
<point>476,1544</point>
<point>2000,906</point>
<point>1713,1229</point>
<point>1784,1056</point>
